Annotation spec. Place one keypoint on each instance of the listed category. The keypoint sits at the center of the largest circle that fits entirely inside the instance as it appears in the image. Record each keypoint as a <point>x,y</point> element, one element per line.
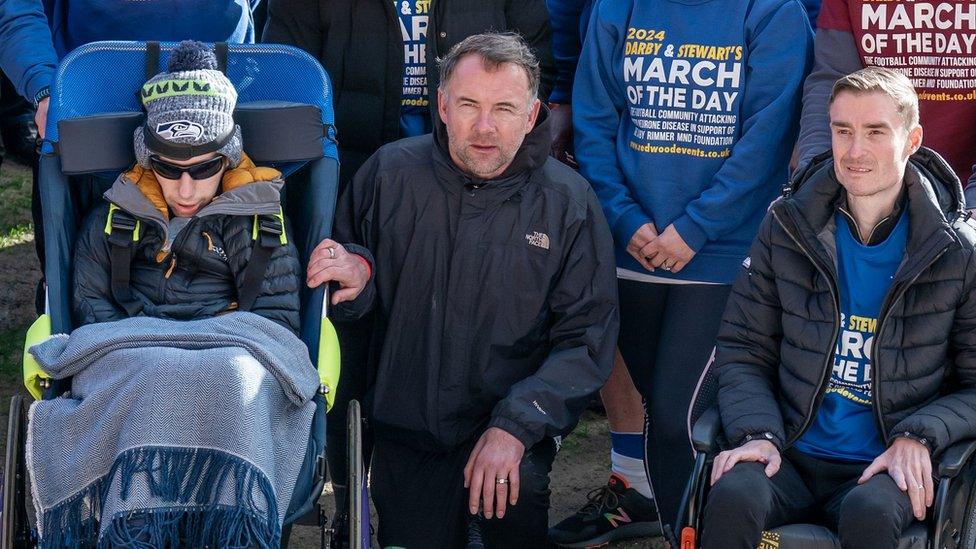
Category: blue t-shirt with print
<point>415,102</point>
<point>845,428</point>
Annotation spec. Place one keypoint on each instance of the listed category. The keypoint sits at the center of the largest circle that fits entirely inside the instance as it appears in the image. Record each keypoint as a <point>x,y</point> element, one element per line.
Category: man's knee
<point>874,513</point>
<point>743,492</point>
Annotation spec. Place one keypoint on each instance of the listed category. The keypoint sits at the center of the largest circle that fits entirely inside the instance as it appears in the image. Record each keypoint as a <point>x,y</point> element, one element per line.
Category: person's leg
<point>687,337</point>
<point>525,524</point>
<point>870,515</point>
<point>625,415</point>
<point>744,502</point>
<point>419,496</point>
<point>631,492</point>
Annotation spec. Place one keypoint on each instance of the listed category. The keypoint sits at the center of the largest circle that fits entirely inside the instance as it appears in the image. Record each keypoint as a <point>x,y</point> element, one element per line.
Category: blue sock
<point>628,444</point>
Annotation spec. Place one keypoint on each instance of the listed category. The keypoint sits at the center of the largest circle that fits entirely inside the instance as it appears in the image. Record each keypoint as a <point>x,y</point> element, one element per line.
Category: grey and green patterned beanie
<point>189,109</point>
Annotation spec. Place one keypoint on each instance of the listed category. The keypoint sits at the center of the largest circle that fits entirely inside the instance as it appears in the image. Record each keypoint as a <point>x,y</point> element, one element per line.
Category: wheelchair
<point>285,113</point>
<point>949,524</point>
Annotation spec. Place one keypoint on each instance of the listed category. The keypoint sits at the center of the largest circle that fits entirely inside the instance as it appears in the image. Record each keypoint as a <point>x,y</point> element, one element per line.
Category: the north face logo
<point>179,129</point>
<point>539,240</point>
<point>747,262</point>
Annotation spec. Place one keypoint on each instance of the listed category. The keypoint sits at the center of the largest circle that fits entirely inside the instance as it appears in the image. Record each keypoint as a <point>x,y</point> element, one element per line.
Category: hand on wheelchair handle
<point>909,464</point>
<point>761,451</point>
<point>331,262</point>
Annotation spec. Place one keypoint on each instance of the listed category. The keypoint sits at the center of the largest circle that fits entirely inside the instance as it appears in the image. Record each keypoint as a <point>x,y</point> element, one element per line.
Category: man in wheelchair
<point>846,360</point>
<point>191,251</point>
<point>190,433</point>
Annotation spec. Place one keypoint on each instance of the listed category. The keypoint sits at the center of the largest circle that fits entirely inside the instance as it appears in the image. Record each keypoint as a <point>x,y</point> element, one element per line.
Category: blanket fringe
<point>191,481</point>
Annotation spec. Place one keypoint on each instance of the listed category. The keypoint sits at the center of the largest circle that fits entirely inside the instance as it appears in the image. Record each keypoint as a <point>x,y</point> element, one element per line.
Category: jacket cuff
<point>41,95</point>
<point>693,235</point>
<point>628,223</point>
<point>522,434</point>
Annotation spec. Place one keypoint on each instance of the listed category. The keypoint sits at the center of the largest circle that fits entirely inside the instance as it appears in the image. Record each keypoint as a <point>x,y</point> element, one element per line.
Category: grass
<point>18,234</point>
<point>11,351</point>
<point>15,229</point>
<point>15,201</point>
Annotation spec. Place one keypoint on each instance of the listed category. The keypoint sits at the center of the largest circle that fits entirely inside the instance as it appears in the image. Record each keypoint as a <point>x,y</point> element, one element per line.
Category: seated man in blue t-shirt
<point>847,354</point>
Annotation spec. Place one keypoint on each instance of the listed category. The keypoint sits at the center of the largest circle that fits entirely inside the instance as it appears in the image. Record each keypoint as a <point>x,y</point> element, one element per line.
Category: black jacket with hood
<point>776,344</point>
<point>495,299</point>
<point>360,44</point>
<point>187,268</point>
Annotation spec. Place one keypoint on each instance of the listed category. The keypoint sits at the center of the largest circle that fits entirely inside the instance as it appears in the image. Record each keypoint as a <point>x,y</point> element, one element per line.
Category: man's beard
<point>483,166</point>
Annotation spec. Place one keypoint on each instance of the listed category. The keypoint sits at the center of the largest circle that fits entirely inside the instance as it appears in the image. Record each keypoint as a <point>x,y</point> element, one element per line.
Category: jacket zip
<point>177,244</point>
<point>885,313</point>
<point>829,355</point>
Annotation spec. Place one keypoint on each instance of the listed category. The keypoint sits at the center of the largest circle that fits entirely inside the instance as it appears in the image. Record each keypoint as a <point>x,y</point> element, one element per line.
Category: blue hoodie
<point>568,19</point>
<point>34,35</point>
<point>685,113</point>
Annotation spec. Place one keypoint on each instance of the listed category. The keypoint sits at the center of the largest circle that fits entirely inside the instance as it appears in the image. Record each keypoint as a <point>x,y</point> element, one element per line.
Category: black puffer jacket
<point>776,344</point>
<point>187,271</point>
<point>495,300</point>
<point>360,44</point>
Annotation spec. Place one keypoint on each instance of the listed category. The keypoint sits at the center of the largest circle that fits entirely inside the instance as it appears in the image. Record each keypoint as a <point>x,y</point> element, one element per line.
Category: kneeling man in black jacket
<point>847,353</point>
<point>491,270</point>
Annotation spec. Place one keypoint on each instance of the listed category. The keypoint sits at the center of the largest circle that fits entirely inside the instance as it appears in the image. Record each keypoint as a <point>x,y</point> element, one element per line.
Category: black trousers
<point>421,501</point>
<point>667,333</point>
<point>744,502</point>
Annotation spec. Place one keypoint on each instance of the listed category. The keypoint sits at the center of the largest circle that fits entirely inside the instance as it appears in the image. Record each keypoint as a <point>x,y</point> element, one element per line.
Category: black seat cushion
<point>812,536</point>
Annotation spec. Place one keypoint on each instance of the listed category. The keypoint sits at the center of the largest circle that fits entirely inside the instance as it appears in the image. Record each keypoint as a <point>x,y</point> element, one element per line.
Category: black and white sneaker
<point>612,512</point>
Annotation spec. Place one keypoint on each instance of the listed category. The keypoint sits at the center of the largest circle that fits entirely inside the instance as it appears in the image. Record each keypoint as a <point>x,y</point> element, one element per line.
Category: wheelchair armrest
<point>955,457</point>
<point>705,433</point>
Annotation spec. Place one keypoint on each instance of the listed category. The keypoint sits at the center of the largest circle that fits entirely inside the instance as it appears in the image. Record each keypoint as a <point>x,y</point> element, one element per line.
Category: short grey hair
<point>495,49</point>
<point>892,83</point>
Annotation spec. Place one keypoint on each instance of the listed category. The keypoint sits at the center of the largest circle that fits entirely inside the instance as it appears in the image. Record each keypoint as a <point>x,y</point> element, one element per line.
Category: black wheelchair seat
<point>812,536</point>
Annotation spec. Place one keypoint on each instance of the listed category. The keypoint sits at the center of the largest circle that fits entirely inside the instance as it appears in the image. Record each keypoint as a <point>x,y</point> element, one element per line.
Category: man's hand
<point>331,262</point>
<point>762,451</point>
<point>668,251</point>
<point>496,456</point>
<point>40,116</point>
<point>561,122</point>
<point>645,233</point>
<point>909,464</point>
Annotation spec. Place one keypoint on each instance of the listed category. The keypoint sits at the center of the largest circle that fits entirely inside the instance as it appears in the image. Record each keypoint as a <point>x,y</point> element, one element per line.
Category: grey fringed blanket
<point>175,434</point>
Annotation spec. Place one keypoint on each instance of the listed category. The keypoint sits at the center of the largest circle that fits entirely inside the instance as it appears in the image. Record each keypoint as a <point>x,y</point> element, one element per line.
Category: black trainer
<point>612,512</point>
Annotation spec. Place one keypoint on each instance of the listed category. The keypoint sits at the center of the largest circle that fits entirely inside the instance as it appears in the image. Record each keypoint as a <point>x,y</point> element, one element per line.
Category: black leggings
<point>667,333</point>
<point>744,502</point>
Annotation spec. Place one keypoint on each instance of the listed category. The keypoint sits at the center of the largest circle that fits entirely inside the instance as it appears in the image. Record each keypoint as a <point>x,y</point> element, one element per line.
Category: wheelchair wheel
<point>16,530</point>
<point>969,524</point>
<point>359,532</point>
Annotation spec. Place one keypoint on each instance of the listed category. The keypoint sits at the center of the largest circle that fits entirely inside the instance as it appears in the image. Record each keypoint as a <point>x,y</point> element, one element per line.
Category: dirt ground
<point>581,465</point>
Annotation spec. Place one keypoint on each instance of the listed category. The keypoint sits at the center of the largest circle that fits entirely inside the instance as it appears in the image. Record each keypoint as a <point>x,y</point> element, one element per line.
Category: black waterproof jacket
<point>360,44</point>
<point>192,270</point>
<point>776,344</point>
<point>496,299</point>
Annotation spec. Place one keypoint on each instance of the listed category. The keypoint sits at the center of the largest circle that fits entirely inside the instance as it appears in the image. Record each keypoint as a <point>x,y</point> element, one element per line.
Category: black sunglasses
<point>198,171</point>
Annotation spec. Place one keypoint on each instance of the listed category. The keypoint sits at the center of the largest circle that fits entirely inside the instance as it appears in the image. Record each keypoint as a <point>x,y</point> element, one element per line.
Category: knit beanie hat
<point>189,109</point>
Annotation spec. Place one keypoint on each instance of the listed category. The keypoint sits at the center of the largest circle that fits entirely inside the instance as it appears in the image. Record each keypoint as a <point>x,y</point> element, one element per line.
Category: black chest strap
<point>268,233</point>
<point>123,232</point>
